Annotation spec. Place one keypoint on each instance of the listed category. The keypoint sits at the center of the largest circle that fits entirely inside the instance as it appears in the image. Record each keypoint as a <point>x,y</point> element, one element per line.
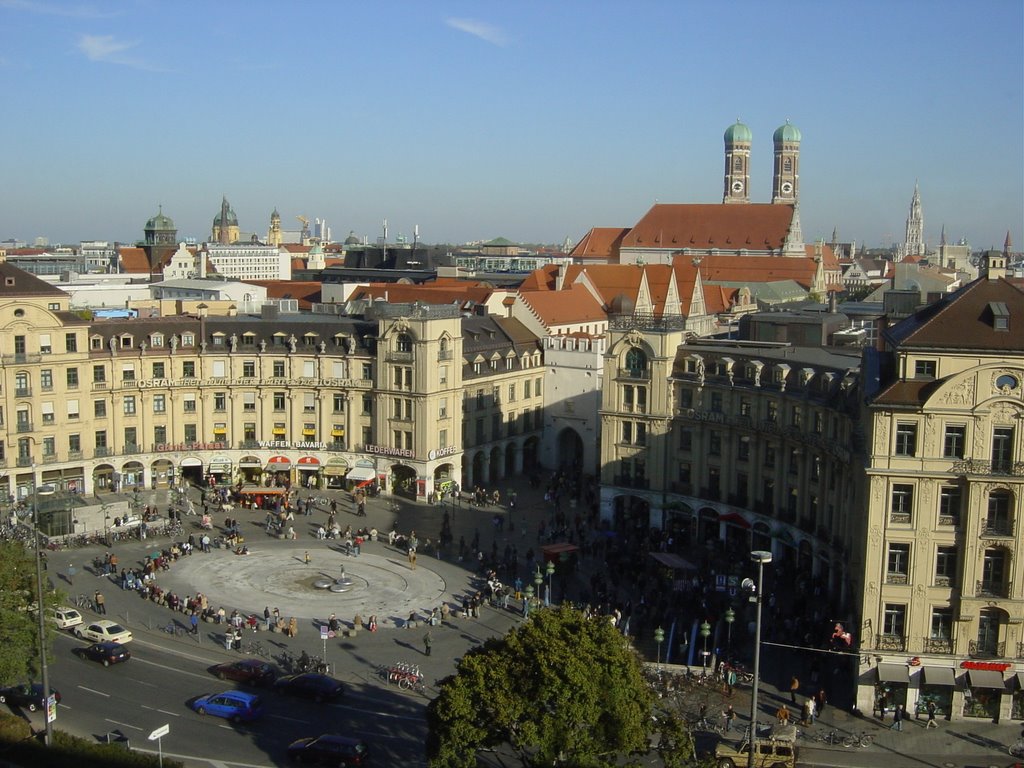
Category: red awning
<point>310,461</point>
<point>734,518</point>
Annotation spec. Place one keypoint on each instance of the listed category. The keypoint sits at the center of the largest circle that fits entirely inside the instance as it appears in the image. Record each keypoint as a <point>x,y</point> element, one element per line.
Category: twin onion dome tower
<point>786,176</point>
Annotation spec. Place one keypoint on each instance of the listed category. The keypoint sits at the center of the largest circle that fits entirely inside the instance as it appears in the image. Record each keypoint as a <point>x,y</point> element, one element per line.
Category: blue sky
<point>529,120</point>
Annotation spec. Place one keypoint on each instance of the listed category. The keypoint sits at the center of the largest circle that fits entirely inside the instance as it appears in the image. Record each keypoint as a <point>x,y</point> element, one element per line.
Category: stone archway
<point>160,472</point>
<point>632,513</point>
<point>477,476</point>
<point>531,452</point>
<point>103,477</point>
<point>403,481</point>
<point>511,451</point>
<point>495,465</point>
<point>570,449</point>
<point>132,475</point>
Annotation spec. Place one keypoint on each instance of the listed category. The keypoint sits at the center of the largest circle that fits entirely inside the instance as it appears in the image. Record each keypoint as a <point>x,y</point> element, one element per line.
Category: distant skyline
<point>533,121</point>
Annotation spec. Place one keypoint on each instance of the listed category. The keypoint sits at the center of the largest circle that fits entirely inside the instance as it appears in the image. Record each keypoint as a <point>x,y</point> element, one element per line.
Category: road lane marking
<point>93,690</point>
<point>172,714</point>
<point>123,725</point>
<point>289,719</point>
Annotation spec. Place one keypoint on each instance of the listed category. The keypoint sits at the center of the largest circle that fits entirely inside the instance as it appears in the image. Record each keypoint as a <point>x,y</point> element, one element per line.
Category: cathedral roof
<point>600,244</point>
<point>160,221</point>
<point>754,227</point>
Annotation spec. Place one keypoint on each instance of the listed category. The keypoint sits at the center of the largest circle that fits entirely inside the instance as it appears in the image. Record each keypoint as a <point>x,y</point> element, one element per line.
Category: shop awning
<point>336,468</point>
<point>984,678</point>
<point>675,562</point>
<point>893,673</point>
<point>938,676</point>
<point>250,461</point>
<point>359,474</point>
<point>309,462</point>
<point>734,518</point>
<point>278,463</point>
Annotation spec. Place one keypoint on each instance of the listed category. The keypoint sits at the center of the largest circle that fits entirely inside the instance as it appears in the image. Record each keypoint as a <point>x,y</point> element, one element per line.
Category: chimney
<point>832,304</point>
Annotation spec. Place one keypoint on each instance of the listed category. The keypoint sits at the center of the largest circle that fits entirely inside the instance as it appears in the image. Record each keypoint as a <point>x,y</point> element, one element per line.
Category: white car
<point>64,617</point>
<point>104,631</point>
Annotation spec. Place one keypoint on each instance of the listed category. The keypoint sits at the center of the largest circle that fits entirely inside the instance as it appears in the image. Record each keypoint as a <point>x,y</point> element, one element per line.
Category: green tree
<point>19,630</point>
<point>559,689</point>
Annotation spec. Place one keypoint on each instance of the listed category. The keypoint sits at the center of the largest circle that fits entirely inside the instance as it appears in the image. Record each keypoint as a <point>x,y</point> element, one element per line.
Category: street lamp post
<point>41,613</point>
<point>527,599</point>
<point>659,638</point>
<point>538,579</point>
<point>730,617</point>
<point>550,570</point>
<point>705,632</point>
<point>760,557</point>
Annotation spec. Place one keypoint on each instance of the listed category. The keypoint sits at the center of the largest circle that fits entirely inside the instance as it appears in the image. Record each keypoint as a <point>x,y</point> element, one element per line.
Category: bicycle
<point>863,739</point>
<point>1017,748</point>
<point>255,648</point>
<point>173,628</point>
<point>832,738</point>
<point>83,601</point>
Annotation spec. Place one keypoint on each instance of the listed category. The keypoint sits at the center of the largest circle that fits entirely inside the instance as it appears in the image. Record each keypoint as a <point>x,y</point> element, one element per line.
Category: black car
<point>339,751</point>
<point>25,695</point>
<point>310,685</point>
<point>106,653</point>
<point>251,671</point>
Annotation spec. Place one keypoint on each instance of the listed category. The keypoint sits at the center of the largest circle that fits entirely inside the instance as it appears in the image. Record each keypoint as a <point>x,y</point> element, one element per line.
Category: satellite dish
<point>748,584</point>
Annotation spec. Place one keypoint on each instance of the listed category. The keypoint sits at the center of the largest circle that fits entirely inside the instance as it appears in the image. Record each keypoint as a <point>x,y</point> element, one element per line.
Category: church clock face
<point>737,186</point>
<point>787,188</point>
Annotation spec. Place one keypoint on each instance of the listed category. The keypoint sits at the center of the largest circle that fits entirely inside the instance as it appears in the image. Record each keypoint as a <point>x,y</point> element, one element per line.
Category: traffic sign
<point>324,631</point>
<point>160,732</point>
<point>51,708</point>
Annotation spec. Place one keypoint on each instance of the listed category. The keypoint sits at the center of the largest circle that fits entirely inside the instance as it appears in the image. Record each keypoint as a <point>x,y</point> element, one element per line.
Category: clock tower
<point>786,178</point>
<point>737,164</point>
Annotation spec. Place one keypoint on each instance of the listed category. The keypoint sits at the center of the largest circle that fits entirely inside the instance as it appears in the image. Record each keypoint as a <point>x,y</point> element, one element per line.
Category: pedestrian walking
<point>812,711</point>
<point>426,643</point>
<point>101,603</point>
<point>728,716</point>
<point>930,708</point>
<point>194,621</point>
<point>794,686</point>
<point>782,715</point>
<point>307,558</point>
<point>71,573</point>
<point>897,718</point>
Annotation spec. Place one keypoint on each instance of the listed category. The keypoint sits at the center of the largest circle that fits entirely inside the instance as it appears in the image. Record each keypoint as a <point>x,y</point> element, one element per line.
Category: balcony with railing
<point>966,467</point>
<point>987,588</point>
<point>899,518</point>
<point>1020,650</point>
<point>950,520</point>
<point>23,426</point>
<point>939,645</point>
<point>25,461</point>
<point>635,373</point>
<point>21,357</point>
<point>996,528</point>
<point>628,481</point>
<point>894,577</point>
<point>23,391</point>
<point>444,354</point>
<point>978,650</point>
<point>889,642</point>
<point>394,356</point>
<point>103,452</point>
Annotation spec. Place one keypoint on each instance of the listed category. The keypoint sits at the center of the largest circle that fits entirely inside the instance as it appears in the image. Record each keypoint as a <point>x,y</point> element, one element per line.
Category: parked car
<point>64,617</point>
<point>106,653</point>
<point>777,751</point>
<point>310,685</point>
<point>28,695</point>
<point>340,751</point>
<point>251,671</point>
<point>102,631</point>
<point>236,706</point>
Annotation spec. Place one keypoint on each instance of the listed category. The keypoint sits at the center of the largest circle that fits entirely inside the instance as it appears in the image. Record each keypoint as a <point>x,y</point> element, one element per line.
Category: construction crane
<point>305,228</point>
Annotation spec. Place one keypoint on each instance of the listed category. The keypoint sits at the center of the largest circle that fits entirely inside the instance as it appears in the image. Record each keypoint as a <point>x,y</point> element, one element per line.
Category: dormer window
<point>125,341</point>
<point>1000,315</point>
<point>95,342</point>
<point>403,343</point>
<point>156,340</point>
<point>188,339</point>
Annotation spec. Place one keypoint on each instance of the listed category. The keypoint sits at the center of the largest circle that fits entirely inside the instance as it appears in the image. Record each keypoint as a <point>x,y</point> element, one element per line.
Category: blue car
<point>236,706</point>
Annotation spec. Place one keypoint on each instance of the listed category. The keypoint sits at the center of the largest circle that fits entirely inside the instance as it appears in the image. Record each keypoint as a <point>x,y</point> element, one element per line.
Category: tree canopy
<point>559,689</point>
<point>19,630</point>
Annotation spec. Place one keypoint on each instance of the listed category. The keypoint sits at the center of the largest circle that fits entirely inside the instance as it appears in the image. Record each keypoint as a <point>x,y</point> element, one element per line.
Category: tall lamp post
<point>41,612</point>
<point>760,557</point>
<point>730,617</point>
<point>550,571</point>
<point>659,638</point>
<point>705,632</point>
<point>538,580</point>
<point>527,599</point>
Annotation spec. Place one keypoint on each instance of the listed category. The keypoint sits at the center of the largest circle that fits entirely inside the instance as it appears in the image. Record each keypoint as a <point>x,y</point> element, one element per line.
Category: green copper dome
<point>738,132</point>
<point>787,133</point>
<point>160,221</point>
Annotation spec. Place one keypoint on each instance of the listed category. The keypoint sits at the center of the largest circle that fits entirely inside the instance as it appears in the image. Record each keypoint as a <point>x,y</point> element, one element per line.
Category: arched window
<point>403,342</point>
<point>636,360</point>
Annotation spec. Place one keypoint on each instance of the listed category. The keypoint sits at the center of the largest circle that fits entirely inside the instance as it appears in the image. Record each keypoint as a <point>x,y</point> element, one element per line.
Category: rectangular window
<point>249,369</point>
<point>819,423</point>
<point>511,393</point>
<point>70,342</point>
<point>159,371</point>
<point>279,369</point>
<point>159,434</point>
<point>47,412</point>
<point>769,457</point>
<point>526,389</point>
<point>685,398</point>
<point>536,387</point>
<point>99,374</point>
<point>942,624</point>
<point>715,443</point>
<point>442,374</point>
<point>72,378</point>
<point>442,409</point>
<point>309,402</point>
<point>99,409</point>
<point>129,405</point>
<point>773,411</point>
<point>442,439</point>
<point>219,369</point>
<point>367,435</point>
<point>190,433</point>
<point>188,404</point>
<point>744,407</point>
<point>902,503</point>
<point>73,412</point>
<point>894,621</point>
<point>128,372</point>
<point>249,402</point>
<point>743,449</point>
<point>924,369</point>
<point>188,369</point>
<point>159,404</point>
<point>339,403</point>
<point>945,566</point>
<point>367,405</point>
<point>131,438</point>
<point>685,440</point>
<point>1002,449</point>
<point>906,439</point>
<point>249,431</point>
<point>367,371</point>
<point>950,498</point>
<point>954,441</point>
<point>898,564</point>
<point>220,401</point>
<point>46,379</point>
<point>279,401</point>
<point>74,443</point>
<point>45,346</point>
<point>309,369</point>
<point>101,438</point>
<point>716,402</point>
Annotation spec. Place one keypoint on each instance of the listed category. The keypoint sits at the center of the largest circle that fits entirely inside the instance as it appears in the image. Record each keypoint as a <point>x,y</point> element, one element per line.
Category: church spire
<point>913,244</point>
<point>1007,244</point>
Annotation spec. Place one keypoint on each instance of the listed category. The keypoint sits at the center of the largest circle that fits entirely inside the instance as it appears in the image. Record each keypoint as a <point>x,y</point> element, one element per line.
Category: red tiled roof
<point>542,279</point>
<point>751,269</point>
<point>441,291</point>
<point>307,292</point>
<point>134,259</point>
<point>609,280</point>
<point>600,244</point>
<point>755,226</point>
<point>574,305</point>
